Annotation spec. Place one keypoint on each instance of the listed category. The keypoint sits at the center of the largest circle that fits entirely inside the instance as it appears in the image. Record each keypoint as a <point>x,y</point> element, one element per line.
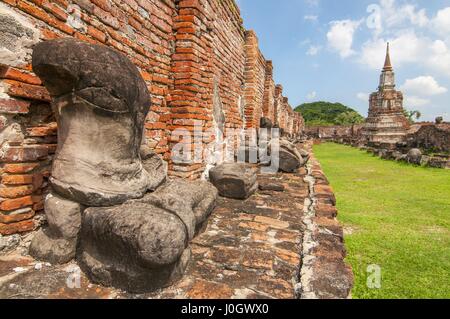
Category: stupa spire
<point>387,62</point>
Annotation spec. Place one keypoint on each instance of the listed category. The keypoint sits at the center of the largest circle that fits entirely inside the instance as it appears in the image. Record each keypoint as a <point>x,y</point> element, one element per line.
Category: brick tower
<point>386,123</point>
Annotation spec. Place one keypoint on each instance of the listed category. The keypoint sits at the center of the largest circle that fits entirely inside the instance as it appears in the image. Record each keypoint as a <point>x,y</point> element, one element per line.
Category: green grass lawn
<point>396,216</point>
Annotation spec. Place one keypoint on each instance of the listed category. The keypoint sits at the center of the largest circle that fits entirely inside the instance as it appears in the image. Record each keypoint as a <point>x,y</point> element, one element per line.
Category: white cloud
<point>408,48</point>
<point>311,18</point>
<point>420,42</point>
<point>313,50</point>
<point>423,85</point>
<point>312,3</point>
<point>439,57</point>
<point>407,28</point>
<point>363,96</point>
<point>340,36</point>
<point>414,101</point>
<point>441,23</point>
<point>394,15</point>
<point>311,95</point>
<point>304,42</point>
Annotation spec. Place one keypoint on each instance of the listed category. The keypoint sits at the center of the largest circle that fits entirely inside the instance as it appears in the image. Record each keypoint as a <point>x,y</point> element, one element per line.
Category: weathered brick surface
<point>247,249</point>
<point>269,93</point>
<point>186,51</point>
<point>17,227</point>
<point>273,245</point>
<point>324,273</point>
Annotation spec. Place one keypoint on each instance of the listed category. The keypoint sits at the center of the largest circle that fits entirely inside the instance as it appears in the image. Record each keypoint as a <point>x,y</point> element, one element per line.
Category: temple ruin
<point>187,67</point>
<point>387,132</point>
<point>116,163</point>
<point>386,123</point>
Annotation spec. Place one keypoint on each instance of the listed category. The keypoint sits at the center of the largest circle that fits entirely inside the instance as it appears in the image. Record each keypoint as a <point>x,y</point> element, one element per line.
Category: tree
<point>328,114</point>
<point>349,118</point>
<point>412,116</point>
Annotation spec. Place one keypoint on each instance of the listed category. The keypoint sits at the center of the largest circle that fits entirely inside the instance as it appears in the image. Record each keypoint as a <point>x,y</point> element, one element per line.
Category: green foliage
<point>396,216</point>
<point>327,114</point>
<point>349,118</point>
<point>412,116</point>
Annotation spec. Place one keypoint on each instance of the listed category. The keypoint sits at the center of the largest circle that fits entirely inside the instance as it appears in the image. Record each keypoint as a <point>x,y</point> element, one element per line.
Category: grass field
<point>396,216</point>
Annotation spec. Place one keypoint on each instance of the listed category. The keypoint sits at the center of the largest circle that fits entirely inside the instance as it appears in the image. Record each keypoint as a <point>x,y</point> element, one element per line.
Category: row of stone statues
<point>111,205</point>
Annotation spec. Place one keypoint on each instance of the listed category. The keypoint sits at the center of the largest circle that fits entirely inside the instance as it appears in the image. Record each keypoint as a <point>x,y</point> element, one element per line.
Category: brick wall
<point>334,132</point>
<point>195,55</point>
<point>430,137</point>
<point>277,104</point>
<point>269,93</point>
<point>255,73</point>
<point>427,136</point>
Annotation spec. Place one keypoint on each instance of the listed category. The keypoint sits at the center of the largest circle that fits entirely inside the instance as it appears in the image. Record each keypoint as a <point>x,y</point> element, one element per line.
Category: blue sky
<point>333,50</point>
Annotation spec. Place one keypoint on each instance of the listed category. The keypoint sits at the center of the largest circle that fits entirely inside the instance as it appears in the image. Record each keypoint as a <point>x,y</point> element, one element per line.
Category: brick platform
<point>277,244</point>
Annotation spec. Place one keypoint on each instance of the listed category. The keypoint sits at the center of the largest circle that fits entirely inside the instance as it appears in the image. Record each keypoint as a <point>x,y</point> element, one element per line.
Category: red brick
<point>44,16</point>
<point>20,168</point>
<point>49,129</point>
<point>16,203</point>
<point>17,179</point>
<point>19,227</point>
<point>27,91</point>
<point>205,289</point>
<point>14,218</point>
<point>16,154</point>
<point>96,34</point>
<point>15,192</point>
<point>14,106</point>
<point>15,74</point>
<point>55,10</point>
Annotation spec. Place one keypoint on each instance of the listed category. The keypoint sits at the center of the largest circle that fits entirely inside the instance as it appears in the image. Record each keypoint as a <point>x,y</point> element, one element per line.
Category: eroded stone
<point>155,166</point>
<point>288,157</point>
<point>136,246</point>
<point>56,243</point>
<point>414,156</point>
<point>234,180</point>
<point>100,101</point>
<point>48,247</point>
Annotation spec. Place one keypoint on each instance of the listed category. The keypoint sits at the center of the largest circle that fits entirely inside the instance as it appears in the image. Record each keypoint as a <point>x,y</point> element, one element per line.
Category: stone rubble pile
<point>281,149</point>
<point>238,180</point>
<point>412,156</point>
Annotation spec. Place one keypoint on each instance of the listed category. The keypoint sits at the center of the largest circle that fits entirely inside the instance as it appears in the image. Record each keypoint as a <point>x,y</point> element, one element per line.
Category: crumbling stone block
<point>234,180</point>
<point>135,246</point>
<point>143,245</point>
<point>287,156</point>
<point>414,156</point>
<point>57,242</point>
